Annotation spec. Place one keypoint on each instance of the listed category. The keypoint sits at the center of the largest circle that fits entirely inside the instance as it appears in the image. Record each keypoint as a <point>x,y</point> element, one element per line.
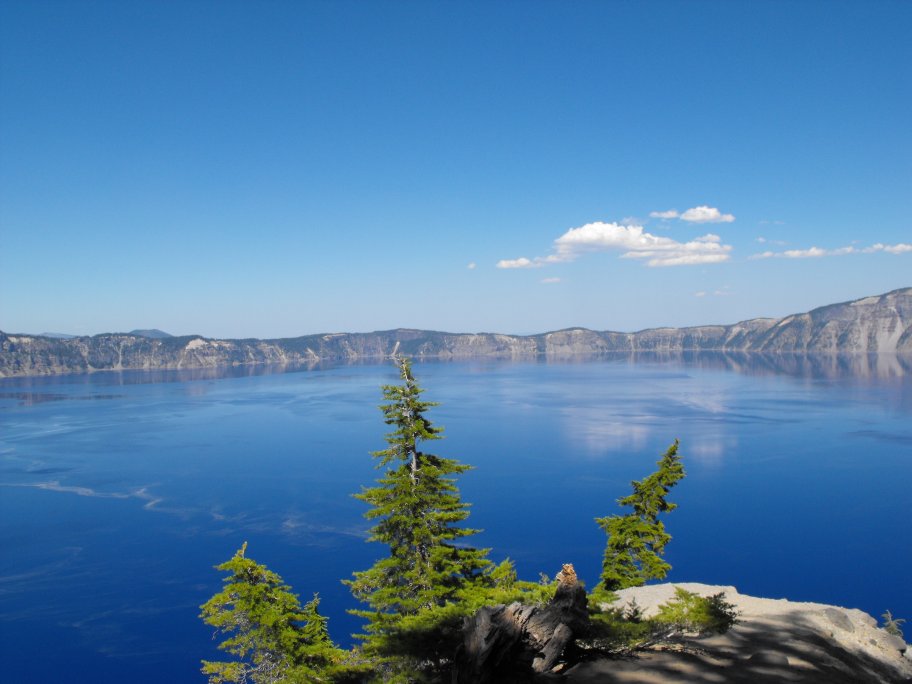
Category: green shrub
<point>611,632</point>
<point>688,612</point>
<point>623,630</point>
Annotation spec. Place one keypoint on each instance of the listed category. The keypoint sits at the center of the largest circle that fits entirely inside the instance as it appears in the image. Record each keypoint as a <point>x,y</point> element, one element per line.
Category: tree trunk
<point>514,643</point>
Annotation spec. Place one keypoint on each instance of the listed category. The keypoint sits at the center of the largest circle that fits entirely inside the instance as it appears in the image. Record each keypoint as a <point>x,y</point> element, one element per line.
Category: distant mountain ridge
<point>152,333</point>
<point>878,324</point>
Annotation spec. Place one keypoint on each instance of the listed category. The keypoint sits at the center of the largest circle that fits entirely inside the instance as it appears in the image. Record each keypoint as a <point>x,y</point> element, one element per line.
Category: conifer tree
<point>636,541</point>
<point>417,508</point>
<point>275,638</point>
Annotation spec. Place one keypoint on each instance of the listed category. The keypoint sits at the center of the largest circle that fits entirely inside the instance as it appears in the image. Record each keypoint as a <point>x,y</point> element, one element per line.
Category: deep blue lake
<point>120,491</point>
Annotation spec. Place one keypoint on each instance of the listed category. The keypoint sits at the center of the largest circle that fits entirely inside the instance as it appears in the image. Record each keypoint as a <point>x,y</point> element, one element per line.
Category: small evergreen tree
<point>275,638</point>
<point>892,625</point>
<point>636,541</point>
<point>417,509</point>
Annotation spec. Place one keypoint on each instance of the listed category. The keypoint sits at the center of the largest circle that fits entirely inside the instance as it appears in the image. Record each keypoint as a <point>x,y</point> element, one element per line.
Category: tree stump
<point>514,643</point>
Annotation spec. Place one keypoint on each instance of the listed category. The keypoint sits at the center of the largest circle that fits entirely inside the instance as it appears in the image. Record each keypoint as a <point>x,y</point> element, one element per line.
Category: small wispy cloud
<point>721,292</point>
<point>634,243</point>
<point>471,266</point>
<point>549,281</point>
<point>705,214</point>
<point>900,248</point>
<point>818,252</point>
<point>522,262</point>
<point>700,214</point>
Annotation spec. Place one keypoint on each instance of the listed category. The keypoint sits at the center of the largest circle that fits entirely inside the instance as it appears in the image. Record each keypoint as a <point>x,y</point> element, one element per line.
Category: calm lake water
<point>119,492</point>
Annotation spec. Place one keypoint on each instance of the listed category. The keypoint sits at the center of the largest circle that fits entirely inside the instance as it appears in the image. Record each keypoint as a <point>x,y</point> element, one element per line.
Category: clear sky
<point>273,169</point>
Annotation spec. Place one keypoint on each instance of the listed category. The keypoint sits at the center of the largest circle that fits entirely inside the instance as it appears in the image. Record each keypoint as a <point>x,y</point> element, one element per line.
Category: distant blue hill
<point>153,334</point>
<point>57,336</point>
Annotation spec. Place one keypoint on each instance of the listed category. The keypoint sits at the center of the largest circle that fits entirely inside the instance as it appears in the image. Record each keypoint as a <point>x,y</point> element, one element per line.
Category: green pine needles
<point>417,509</point>
<point>274,637</point>
<point>636,541</point>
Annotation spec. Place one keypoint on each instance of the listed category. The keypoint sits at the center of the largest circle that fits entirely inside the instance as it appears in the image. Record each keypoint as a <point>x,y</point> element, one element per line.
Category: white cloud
<point>664,215</point>
<point>704,214</point>
<point>548,281</point>
<point>522,262</point>
<point>699,294</point>
<point>633,241</point>
<point>817,252</point>
<point>810,253</point>
<point>471,266</point>
<point>899,248</point>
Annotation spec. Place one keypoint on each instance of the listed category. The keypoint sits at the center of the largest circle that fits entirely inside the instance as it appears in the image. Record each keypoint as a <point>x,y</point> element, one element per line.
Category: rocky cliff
<point>871,325</point>
<point>774,640</point>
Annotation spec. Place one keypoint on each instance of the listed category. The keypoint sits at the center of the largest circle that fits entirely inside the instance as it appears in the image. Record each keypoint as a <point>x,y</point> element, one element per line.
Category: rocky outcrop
<point>514,643</point>
<point>773,641</point>
<point>881,324</point>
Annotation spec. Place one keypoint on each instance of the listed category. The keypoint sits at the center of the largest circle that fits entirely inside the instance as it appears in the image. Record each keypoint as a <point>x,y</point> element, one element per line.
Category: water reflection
<point>828,366</point>
<point>34,398</point>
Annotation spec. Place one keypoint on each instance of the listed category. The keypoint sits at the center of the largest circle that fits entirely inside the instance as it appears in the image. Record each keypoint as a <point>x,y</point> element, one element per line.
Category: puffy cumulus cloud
<point>817,252</point>
<point>638,244</point>
<point>633,241</point>
<point>665,215</point>
<point>704,214</point>
<point>522,262</point>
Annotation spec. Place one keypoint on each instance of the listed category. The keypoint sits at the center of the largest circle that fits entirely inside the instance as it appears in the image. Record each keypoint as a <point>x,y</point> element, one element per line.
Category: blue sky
<point>275,169</point>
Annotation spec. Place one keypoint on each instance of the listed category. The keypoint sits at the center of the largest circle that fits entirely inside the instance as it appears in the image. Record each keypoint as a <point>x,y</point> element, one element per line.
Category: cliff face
<point>873,324</point>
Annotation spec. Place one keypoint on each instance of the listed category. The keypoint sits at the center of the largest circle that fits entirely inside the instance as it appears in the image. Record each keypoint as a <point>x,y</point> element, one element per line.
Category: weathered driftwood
<point>513,643</point>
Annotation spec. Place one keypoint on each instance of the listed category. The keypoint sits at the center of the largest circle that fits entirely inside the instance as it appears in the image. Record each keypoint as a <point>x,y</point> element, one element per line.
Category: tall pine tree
<point>417,509</point>
<point>636,541</point>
